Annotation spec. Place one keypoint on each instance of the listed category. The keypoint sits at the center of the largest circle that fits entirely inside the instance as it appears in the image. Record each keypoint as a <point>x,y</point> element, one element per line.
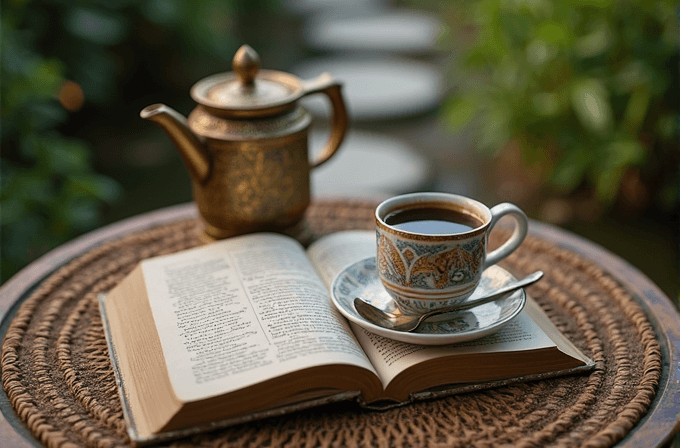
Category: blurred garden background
<point>569,108</point>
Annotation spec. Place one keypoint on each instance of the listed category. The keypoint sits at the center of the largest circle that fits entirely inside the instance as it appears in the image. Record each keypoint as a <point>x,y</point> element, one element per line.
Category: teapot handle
<point>327,85</point>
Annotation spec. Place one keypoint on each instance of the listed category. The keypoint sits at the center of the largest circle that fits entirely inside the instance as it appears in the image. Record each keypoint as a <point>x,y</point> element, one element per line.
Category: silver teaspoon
<point>401,322</point>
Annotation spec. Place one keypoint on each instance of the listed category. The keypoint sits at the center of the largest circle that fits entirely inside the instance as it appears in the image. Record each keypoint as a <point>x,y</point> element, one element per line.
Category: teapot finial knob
<point>246,64</point>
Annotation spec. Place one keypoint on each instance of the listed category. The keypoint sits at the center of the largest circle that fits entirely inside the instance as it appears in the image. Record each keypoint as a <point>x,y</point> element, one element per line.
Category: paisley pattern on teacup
<point>427,266</point>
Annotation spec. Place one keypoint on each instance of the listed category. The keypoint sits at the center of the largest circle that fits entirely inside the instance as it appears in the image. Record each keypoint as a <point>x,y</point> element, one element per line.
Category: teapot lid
<point>247,91</point>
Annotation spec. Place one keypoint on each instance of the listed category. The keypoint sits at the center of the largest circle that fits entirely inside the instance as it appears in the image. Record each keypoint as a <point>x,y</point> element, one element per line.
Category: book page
<point>334,252</point>
<point>243,310</point>
<point>392,357</point>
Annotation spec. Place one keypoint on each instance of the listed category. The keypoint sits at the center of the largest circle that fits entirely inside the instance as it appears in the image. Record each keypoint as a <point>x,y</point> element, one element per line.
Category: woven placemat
<point>57,375</point>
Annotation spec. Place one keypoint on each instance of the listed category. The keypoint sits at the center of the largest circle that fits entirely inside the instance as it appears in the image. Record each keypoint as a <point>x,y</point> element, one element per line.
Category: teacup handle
<point>327,85</point>
<point>520,232</point>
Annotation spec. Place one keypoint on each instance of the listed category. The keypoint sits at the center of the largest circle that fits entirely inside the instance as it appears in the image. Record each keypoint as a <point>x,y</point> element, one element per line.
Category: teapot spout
<point>191,147</point>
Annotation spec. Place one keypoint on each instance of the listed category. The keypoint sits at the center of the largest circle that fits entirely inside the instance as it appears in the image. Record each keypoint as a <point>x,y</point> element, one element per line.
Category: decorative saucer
<point>361,280</point>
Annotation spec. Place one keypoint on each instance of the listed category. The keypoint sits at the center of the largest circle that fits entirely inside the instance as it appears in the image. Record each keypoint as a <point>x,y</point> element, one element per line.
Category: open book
<point>244,328</point>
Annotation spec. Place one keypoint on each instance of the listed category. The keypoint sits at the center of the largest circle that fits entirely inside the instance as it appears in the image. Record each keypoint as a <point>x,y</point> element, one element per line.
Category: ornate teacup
<point>432,247</point>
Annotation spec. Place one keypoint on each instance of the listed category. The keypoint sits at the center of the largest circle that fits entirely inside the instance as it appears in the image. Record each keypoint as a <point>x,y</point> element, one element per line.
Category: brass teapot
<point>245,145</point>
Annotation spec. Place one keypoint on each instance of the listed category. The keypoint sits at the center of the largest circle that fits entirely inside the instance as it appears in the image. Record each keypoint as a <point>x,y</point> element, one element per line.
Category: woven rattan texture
<point>57,375</point>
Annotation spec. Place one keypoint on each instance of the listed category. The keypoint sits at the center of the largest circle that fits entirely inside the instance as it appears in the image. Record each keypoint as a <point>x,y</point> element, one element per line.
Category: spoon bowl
<point>407,323</point>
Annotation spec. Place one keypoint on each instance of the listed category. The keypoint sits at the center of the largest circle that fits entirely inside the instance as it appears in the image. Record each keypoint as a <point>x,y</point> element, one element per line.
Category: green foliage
<point>591,84</point>
<point>117,51</point>
<point>49,191</point>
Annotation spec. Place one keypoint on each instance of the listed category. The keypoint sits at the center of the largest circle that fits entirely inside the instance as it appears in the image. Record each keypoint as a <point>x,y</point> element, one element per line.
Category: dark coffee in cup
<point>432,220</point>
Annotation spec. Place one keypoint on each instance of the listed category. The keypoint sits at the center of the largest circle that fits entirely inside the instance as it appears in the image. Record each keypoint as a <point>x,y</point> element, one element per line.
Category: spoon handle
<point>526,281</point>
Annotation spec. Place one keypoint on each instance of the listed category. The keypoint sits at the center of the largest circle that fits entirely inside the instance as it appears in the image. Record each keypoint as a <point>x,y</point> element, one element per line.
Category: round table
<point>656,428</point>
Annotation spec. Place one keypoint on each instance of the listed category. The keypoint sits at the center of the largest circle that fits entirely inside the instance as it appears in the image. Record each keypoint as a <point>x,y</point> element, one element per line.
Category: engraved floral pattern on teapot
<point>267,183</point>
